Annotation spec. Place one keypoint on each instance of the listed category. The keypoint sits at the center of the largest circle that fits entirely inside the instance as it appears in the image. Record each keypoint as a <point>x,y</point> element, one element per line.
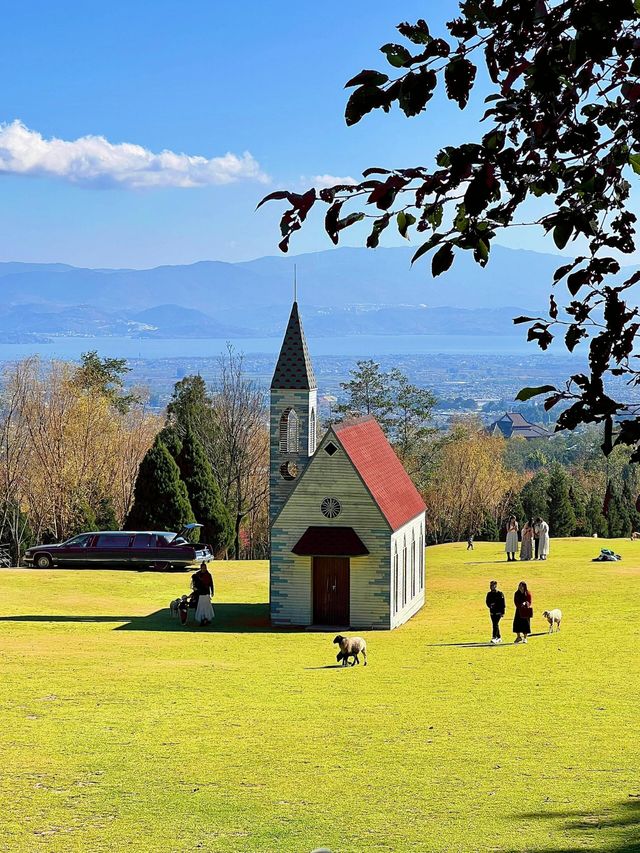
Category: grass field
<point>122,731</point>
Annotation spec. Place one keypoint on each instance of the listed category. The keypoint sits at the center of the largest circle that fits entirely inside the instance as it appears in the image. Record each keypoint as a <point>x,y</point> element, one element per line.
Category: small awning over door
<point>330,542</point>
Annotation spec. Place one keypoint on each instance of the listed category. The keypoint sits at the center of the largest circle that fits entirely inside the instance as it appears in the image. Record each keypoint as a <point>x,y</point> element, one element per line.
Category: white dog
<point>553,617</point>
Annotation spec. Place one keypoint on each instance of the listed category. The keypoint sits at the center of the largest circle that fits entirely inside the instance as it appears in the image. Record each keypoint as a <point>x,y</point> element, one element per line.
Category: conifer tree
<point>161,500</point>
<point>619,516</point>
<point>562,518</point>
<point>577,499</point>
<point>534,496</point>
<point>106,515</point>
<point>597,521</point>
<point>204,494</point>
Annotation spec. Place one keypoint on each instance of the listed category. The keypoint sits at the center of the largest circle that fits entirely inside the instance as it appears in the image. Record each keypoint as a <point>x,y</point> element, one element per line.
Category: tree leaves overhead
<point>560,125</point>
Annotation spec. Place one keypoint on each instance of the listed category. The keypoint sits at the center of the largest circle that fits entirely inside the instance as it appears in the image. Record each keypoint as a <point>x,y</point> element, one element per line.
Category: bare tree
<point>239,445</point>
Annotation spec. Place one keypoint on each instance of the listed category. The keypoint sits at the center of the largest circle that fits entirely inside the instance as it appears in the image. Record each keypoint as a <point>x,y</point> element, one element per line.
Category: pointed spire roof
<point>294,369</point>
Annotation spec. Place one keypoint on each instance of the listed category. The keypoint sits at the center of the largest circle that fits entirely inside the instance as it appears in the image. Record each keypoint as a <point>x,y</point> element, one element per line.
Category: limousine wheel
<point>44,561</point>
<point>161,567</point>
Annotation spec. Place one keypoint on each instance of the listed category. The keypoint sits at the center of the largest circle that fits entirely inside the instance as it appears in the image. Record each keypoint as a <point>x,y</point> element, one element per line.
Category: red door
<point>331,591</point>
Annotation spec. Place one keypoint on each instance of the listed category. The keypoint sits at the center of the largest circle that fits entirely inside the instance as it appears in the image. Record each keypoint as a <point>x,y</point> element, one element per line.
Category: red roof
<point>375,460</point>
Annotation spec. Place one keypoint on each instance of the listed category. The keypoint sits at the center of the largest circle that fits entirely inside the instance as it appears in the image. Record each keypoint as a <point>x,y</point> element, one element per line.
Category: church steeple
<point>294,369</point>
<point>293,425</point>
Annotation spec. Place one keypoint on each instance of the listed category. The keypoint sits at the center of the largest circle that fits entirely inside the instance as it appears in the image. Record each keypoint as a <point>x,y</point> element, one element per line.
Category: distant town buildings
<point>514,425</point>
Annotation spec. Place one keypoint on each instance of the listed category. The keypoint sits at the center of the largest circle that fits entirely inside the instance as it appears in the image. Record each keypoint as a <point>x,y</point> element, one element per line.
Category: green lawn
<point>122,731</point>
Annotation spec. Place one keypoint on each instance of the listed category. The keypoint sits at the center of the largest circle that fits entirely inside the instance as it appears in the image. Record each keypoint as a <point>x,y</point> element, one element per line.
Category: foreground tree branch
<point>563,127</point>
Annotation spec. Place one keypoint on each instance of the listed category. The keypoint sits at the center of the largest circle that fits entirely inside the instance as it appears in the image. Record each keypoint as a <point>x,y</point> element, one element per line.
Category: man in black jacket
<point>496,604</point>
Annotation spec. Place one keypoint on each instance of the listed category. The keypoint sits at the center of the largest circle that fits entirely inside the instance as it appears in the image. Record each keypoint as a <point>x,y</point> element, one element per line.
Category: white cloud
<point>94,161</point>
<point>331,180</point>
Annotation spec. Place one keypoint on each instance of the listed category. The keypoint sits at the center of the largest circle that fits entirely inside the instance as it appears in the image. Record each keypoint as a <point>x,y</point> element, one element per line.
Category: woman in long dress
<point>543,547</point>
<point>511,545</point>
<point>526,548</point>
<point>523,614</point>
<point>202,585</point>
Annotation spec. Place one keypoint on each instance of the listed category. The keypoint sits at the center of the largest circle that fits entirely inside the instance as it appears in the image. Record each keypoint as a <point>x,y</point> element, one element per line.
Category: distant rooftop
<point>513,424</point>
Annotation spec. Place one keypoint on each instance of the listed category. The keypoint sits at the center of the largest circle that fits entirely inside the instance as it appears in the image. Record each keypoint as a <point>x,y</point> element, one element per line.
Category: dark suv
<point>121,548</point>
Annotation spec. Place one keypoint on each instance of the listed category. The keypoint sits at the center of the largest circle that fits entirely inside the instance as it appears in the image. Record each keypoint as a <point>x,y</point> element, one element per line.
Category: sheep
<point>553,617</point>
<point>351,647</point>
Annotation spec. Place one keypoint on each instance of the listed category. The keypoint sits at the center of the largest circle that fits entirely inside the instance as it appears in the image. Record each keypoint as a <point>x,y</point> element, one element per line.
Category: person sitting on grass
<point>523,614</point>
<point>496,604</point>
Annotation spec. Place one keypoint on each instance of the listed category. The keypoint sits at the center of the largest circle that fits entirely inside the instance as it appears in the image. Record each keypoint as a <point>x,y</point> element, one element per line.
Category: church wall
<point>291,581</point>
<point>409,534</point>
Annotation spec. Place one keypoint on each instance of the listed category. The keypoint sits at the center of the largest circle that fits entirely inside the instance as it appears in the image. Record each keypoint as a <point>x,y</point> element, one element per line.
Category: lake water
<point>354,346</point>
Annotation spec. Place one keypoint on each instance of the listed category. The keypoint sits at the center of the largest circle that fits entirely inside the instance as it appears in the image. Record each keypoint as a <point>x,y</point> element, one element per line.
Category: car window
<point>113,540</point>
<point>163,540</point>
<point>144,540</point>
<point>80,541</point>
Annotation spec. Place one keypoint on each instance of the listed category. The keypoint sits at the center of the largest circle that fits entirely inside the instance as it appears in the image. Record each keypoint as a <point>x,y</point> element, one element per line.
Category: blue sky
<point>199,79</point>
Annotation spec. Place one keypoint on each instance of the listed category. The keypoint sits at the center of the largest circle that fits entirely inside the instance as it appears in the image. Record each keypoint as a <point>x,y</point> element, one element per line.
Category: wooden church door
<point>331,591</point>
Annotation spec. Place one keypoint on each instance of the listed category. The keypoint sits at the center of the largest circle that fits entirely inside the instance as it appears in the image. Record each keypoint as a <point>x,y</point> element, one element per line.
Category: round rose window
<point>330,507</point>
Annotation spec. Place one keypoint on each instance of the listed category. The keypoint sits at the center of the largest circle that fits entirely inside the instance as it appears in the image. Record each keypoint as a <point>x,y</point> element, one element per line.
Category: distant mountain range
<point>342,292</point>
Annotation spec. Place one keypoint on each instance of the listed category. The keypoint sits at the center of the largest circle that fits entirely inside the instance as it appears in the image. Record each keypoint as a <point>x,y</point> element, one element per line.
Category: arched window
<point>413,564</point>
<point>404,572</point>
<point>396,586</point>
<point>289,431</point>
<point>312,432</point>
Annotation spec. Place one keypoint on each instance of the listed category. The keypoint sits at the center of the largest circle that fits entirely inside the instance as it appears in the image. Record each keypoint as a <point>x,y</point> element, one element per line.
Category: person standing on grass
<point>496,604</point>
<point>511,545</point>
<point>543,547</point>
<point>470,542</point>
<point>202,585</point>
<point>526,548</point>
<point>523,614</point>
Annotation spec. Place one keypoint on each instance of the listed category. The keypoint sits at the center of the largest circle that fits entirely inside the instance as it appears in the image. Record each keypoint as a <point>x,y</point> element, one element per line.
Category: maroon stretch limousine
<point>121,548</point>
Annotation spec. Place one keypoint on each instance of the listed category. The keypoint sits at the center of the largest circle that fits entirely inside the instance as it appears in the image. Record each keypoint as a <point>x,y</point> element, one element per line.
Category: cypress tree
<point>514,507</point>
<point>534,496</point>
<point>106,515</point>
<point>577,498</point>
<point>204,494</point>
<point>488,531</point>
<point>562,518</point>
<point>619,517</point>
<point>596,520</point>
<point>160,498</point>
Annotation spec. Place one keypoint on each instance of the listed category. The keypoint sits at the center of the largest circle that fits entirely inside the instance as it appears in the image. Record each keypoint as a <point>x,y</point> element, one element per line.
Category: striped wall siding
<point>291,581</point>
<point>405,611</point>
<point>303,402</point>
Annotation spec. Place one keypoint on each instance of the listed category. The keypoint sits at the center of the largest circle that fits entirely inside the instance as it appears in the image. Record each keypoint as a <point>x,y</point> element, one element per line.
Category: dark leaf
<point>442,259</point>
<point>415,90</point>
<point>396,54</point>
<point>574,336</point>
<point>418,33</point>
<point>367,78</point>
<point>527,393</point>
<point>561,233</point>
<point>275,196</point>
<point>362,101</point>
<point>459,75</point>
<point>405,221</point>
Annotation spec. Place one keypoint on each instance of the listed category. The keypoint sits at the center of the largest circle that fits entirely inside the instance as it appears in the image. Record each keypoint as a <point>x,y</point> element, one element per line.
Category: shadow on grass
<point>487,645</point>
<point>614,830</point>
<point>232,618</point>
